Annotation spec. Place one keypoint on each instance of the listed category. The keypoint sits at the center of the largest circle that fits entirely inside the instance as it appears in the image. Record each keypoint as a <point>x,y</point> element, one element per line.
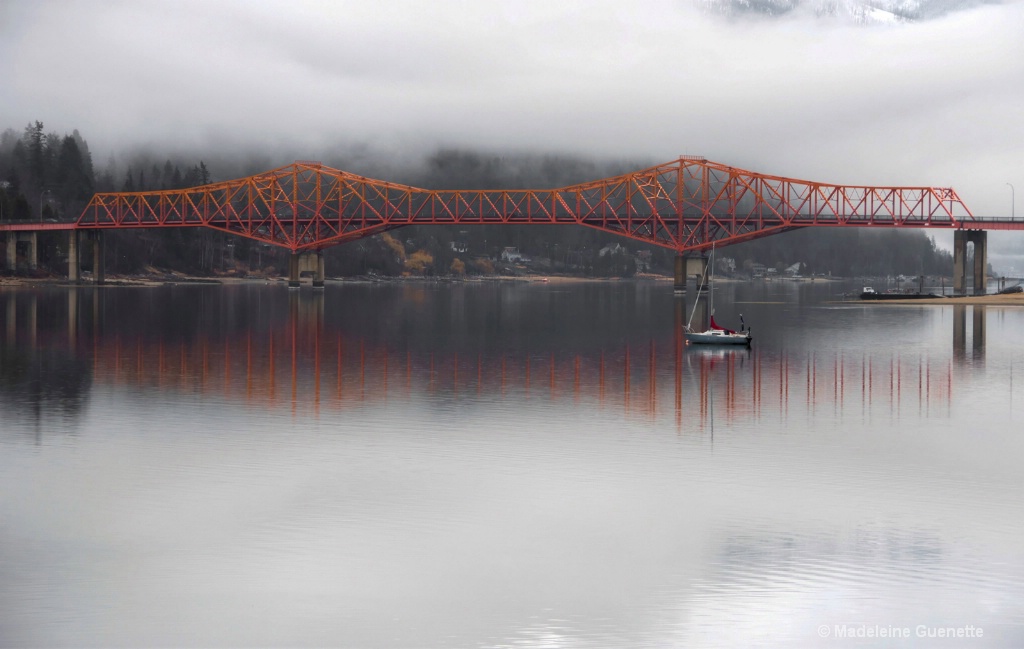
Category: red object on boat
<point>715,325</point>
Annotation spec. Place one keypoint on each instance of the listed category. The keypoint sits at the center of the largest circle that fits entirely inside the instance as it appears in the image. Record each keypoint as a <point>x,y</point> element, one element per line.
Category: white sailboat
<point>715,334</point>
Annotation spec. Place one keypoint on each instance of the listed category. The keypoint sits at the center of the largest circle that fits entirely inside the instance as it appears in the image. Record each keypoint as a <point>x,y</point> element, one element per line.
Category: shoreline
<point>143,281</point>
<point>1011,299</point>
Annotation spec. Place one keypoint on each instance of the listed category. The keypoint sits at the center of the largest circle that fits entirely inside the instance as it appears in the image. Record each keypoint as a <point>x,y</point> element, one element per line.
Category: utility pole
<point>1013,201</point>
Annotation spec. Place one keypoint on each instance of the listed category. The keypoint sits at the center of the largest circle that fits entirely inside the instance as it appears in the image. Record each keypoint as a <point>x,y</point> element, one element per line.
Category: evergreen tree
<point>191,178</point>
<point>6,206</point>
<point>51,151</point>
<point>83,150</point>
<point>167,177</point>
<point>33,141</point>
<point>22,210</point>
<point>7,141</point>
<point>74,179</point>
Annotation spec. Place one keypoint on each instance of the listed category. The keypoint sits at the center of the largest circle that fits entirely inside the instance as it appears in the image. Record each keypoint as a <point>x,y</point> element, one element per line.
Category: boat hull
<point>718,337</point>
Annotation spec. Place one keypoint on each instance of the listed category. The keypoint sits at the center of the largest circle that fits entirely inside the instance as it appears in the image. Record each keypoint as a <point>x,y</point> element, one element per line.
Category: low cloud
<point>935,102</point>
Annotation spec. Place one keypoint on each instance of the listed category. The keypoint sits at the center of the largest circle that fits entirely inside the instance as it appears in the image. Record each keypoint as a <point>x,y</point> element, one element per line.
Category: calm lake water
<point>506,465</point>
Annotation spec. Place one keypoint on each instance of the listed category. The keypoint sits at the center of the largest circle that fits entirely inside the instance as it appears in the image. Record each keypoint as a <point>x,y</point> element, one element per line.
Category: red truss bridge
<point>687,205</point>
<point>684,205</point>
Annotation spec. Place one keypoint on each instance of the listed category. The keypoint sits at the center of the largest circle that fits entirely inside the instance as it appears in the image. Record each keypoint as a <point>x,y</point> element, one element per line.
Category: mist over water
<point>504,464</point>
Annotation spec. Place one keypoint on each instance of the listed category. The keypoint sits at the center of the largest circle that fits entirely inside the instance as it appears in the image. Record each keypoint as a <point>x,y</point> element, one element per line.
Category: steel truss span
<point>686,205</point>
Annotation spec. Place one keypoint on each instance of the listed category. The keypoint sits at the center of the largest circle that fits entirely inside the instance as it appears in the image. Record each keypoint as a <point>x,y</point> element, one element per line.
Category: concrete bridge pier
<point>685,267</point>
<point>318,274</point>
<point>960,240</point>
<point>981,263</point>
<point>31,255</point>
<point>699,318</point>
<point>98,270</point>
<point>697,266</point>
<point>33,250</point>
<point>293,270</point>
<point>680,280</point>
<point>306,262</point>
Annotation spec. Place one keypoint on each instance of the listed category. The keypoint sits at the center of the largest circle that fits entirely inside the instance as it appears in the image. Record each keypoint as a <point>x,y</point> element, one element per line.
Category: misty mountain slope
<point>861,12</point>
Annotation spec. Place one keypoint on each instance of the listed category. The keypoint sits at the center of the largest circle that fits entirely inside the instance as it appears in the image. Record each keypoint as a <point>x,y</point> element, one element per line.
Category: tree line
<point>49,176</point>
<point>848,252</point>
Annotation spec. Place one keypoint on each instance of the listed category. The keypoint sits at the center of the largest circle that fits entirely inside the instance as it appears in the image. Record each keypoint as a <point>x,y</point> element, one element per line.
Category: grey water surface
<point>506,465</point>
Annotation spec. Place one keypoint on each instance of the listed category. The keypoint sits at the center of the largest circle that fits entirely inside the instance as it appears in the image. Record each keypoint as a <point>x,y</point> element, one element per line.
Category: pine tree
<point>74,180</point>
<point>191,178</point>
<point>5,203</point>
<point>51,151</point>
<point>83,150</point>
<point>167,177</point>
<point>33,143</point>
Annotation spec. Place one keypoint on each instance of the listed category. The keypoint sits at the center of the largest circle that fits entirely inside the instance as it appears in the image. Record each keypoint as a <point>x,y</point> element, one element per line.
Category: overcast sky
<point>939,102</point>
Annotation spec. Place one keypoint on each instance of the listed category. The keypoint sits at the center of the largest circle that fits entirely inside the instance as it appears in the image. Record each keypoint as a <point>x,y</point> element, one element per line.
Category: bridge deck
<point>36,226</point>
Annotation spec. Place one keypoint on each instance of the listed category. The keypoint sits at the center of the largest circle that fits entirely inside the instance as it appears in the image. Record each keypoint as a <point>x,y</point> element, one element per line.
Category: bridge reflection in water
<point>978,316</point>
<point>302,364</point>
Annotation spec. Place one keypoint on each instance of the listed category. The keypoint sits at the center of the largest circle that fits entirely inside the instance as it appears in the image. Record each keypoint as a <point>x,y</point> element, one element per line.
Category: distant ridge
<point>856,11</point>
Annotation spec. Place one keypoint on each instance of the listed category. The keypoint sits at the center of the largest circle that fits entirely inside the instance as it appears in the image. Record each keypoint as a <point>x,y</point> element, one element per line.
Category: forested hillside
<point>50,176</point>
